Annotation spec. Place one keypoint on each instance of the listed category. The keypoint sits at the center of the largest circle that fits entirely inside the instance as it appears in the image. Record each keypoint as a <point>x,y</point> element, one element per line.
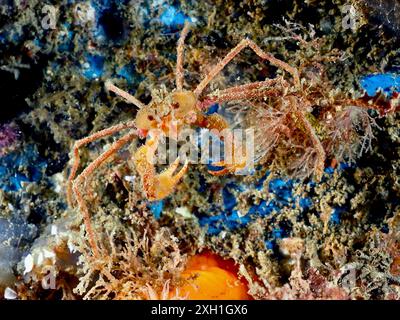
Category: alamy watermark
<point>350,18</point>
<point>228,148</point>
<point>49,20</point>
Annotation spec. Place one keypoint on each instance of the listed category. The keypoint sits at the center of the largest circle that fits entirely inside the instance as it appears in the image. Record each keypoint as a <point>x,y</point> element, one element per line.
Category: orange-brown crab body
<point>177,106</point>
<point>178,109</point>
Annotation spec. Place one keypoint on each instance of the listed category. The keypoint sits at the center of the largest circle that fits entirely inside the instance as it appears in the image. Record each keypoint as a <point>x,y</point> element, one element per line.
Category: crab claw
<point>157,186</point>
<point>167,180</point>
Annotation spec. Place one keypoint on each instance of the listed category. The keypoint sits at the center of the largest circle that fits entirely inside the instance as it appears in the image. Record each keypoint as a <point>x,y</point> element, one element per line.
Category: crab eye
<point>150,117</point>
<point>175,105</point>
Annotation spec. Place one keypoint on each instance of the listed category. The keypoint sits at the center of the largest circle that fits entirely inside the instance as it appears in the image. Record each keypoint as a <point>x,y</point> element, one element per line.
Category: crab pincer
<point>157,186</point>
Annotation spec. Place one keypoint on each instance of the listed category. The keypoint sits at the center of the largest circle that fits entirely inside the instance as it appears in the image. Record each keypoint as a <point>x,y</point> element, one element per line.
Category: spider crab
<point>180,107</point>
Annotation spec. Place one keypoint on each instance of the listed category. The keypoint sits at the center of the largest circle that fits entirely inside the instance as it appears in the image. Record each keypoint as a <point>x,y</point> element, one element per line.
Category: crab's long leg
<point>82,142</point>
<point>128,98</point>
<point>180,55</point>
<point>233,95</point>
<point>234,52</point>
<point>250,86</point>
<point>86,173</point>
<point>319,166</point>
<point>245,91</point>
<point>250,94</point>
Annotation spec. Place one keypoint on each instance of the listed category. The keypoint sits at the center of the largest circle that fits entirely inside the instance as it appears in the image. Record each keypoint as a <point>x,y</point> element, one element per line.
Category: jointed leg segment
<point>241,92</point>
<point>234,52</point>
<point>78,183</point>
<point>250,86</point>
<point>129,98</point>
<point>180,55</point>
<point>82,142</point>
<point>320,164</point>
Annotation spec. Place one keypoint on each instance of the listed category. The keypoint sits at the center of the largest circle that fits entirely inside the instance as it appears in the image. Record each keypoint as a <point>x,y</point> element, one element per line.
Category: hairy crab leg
<point>180,55</point>
<point>234,52</point>
<point>129,98</point>
<point>86,173</point>
<point>82,142</point>
<point>320,165</point>
<point>245,91</point>
<point>250,86</point>
<point>240,95</point>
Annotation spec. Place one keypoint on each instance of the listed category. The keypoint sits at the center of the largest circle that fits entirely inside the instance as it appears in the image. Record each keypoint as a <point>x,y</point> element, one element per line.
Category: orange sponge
<point>212,278</point>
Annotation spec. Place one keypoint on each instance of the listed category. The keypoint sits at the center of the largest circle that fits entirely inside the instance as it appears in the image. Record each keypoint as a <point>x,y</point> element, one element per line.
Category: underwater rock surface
<point>292,230</point>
